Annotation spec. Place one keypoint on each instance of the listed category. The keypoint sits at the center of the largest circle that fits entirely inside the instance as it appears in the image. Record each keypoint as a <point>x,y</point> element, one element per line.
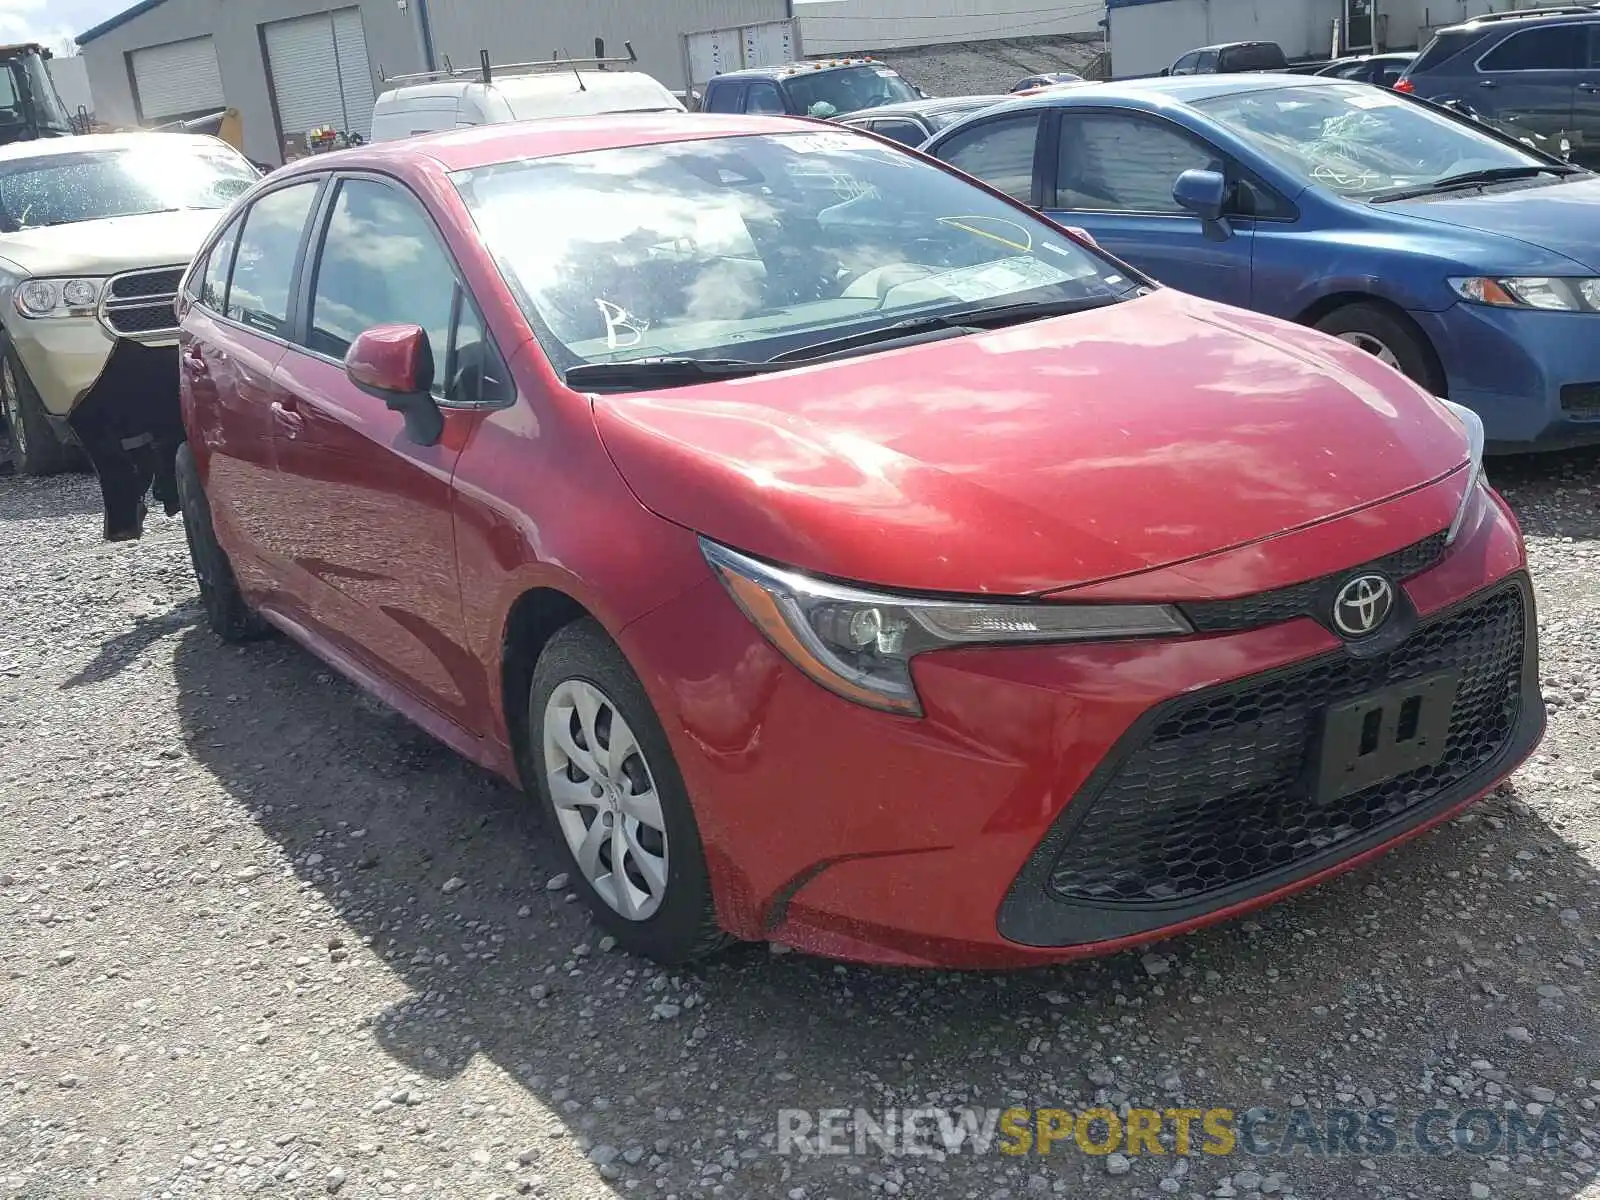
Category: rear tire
<point>612,794</point>
<point>230,618</point>
<point>35,448</point>
<point>1391,338</point>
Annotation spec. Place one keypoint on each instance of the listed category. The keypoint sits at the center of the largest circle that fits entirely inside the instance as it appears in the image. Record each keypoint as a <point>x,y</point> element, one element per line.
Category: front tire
<point>1389,337</point>
<point>612,793</point>
<point>35,448</point>
<point>229,616</point>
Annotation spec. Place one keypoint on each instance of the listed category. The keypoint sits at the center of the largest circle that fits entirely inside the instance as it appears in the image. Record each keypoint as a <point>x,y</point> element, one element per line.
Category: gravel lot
<point>259,935</point>
<point>982,68</point>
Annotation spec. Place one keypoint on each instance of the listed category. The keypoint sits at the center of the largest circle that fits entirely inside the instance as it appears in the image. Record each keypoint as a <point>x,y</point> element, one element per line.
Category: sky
<point>53,22</point>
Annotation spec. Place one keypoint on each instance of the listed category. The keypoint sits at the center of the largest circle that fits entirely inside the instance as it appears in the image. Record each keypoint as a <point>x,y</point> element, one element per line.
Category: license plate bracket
<point>1377,736</point>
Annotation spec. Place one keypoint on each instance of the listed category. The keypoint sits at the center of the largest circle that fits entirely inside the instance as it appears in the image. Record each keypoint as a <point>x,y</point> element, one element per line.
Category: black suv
<point>1535,70</point>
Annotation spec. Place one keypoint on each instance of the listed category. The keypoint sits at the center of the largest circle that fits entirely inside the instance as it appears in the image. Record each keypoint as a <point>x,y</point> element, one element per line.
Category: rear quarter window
<point>1442,49</point>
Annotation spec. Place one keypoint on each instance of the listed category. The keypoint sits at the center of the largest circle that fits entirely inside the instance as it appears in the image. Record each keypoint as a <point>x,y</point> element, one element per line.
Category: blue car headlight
<point>1548,292</point>
<point>1473,426</point>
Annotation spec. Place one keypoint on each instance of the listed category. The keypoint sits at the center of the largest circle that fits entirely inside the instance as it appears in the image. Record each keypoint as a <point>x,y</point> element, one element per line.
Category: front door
<point>367,517</point>
<point>1113,175</point>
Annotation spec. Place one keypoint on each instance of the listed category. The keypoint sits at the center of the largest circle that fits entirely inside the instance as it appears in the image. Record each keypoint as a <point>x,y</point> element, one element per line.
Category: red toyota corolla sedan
<point>842,554</point>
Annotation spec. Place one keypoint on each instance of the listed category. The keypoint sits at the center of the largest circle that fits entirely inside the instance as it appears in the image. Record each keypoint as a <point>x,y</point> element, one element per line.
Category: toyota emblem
<point>1363,605</point>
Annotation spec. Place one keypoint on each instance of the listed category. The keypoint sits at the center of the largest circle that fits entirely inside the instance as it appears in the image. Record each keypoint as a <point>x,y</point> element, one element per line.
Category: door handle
<point>287,419</point>
<point>1487,83</point>
<point>1589,87</point>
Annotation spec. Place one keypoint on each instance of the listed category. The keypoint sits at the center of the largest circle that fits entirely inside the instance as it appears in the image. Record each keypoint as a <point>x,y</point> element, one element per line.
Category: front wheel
<point>1390,338</point>
<point>612,792</point>
<point>35,448</point>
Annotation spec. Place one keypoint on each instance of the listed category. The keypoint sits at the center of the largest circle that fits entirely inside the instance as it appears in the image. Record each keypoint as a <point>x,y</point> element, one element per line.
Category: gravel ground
<point>257,935</point>
<point>982,68</point>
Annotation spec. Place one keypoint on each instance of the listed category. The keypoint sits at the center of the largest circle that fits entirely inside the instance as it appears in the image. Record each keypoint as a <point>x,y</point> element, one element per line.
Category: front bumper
<point>64,357</point>
<point>1534,377</point>
<point>859,834</point>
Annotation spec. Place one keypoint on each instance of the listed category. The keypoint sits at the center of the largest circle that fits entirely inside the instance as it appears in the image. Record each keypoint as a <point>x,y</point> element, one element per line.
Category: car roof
<point>1512,19</point>
<point>519,86</point>
<point>551,137</point>
<point>86,143</point>
<point>931,106</point>
<point>1182,89</point>
<point>1226,46</point>
<point>785,70</point>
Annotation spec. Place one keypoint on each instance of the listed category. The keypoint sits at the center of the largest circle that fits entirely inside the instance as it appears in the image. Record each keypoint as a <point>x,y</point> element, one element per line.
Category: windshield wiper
<point>1474,178</point>
<point>660,372</point>
<point>973,319</point>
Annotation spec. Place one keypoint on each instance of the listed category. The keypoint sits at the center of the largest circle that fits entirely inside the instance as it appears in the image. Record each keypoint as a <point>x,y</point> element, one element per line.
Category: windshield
<point>847,90</point>
<point>1358,140</point>
<point>758,246</point>
<point>62,189</point>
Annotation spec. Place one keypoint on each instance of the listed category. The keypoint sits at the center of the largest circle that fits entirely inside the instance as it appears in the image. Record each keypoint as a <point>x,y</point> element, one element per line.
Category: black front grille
<point>1581,400</point>
<point>1217,791</point>
<point>144,318</point>
<point>145,283</point>
<point>1312,599</point>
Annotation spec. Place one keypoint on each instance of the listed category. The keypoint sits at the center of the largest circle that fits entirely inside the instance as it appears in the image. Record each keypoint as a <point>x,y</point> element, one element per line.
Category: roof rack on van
<point>1553,10</point>
<point>486,71</point>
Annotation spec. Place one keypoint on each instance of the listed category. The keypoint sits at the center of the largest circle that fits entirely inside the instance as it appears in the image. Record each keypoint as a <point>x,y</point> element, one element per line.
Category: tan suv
<point>95,233</point>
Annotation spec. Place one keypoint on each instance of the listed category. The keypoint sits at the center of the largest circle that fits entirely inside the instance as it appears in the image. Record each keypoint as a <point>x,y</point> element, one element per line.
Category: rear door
<point>232,339</point>
<point>1531,78</point>
<point>367,513</point>
<point>1113,173</point>
<point>1586,103</point>
<point>1002,151</point>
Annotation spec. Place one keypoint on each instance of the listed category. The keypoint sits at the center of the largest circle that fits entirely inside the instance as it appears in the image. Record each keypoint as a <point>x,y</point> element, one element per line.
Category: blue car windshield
<point>1359,140</point>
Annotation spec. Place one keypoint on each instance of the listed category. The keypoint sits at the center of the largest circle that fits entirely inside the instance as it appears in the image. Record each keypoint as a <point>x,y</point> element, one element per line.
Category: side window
<point>1114,163</point>
<point>999,152</point>
<point>1207,63</point>
<point>214,279</point>
<point>264,265</point>
<point>906,132</point>
<point>1553,48</point>
<point>1355,70</point>
<point>474,372</point>
<point>380,264</point>
<point>726,98</point>
<point>1187,64</point>
<point>763,98</point>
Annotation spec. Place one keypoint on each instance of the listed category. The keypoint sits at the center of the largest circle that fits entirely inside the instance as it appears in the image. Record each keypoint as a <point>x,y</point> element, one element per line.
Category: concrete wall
<point>516,31</point>
<point>848,26</point>
<point>71,77</point>
<point>391,37</point>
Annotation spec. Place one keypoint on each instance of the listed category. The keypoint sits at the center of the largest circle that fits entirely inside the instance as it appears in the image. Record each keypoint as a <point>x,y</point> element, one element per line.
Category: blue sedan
<point>1458,256</point>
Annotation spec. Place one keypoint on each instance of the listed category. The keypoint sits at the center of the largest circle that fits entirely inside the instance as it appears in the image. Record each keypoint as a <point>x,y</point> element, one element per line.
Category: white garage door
<point>178,78</point>
<point>320,74</point>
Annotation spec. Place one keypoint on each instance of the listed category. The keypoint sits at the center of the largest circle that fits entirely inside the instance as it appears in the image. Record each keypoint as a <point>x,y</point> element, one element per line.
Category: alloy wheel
<point>11,401</point>
<point>1373,346</point>
<point>605,799</point>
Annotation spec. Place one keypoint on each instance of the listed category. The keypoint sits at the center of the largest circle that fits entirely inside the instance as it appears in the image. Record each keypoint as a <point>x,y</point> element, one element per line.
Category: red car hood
<point>1038,457</point>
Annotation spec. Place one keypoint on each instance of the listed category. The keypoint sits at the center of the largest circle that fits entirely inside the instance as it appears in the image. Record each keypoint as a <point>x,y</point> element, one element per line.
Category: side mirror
<point>1205,194</point>
<point>395,364</point>
<point>1164,71</point>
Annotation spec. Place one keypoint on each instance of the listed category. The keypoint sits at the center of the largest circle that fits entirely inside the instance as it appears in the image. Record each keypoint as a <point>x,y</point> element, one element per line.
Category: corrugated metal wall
<point>516,30</point>
<point>847,26</point>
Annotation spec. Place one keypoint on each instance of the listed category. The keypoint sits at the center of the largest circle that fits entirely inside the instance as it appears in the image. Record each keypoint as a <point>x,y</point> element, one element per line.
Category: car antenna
<point>576,74</point>
<point>483,61</point>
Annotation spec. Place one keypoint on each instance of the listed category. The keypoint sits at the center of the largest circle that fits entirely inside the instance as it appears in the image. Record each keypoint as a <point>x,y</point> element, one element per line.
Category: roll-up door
<point>320,74</point>
<point>177,79</point>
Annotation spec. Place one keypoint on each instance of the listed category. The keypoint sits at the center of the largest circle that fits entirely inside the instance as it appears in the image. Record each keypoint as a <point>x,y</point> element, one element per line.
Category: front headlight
<point>860,643</point>
<point>58,297</point>
<point>1548,292</point>
<point>1473,424</point>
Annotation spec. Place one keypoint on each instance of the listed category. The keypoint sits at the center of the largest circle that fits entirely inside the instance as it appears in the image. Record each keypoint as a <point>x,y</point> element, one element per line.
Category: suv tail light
<point>1405,85</point>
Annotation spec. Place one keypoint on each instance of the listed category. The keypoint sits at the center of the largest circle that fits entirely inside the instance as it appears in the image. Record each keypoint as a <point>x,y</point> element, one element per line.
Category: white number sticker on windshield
<point>826,143</point>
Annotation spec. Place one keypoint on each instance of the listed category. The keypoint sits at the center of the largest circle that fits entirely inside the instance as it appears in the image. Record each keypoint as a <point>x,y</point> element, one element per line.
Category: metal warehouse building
<point>289,66</point>
<point>1147,35</point>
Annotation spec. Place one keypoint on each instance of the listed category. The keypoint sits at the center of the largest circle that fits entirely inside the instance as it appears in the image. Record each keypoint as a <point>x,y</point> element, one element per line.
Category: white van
<point>565,87</point>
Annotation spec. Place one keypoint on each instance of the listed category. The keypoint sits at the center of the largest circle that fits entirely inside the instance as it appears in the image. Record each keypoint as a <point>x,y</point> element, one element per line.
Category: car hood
<point>1040,457</point>
<point>106,247</point>
<point>1559,217</point>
